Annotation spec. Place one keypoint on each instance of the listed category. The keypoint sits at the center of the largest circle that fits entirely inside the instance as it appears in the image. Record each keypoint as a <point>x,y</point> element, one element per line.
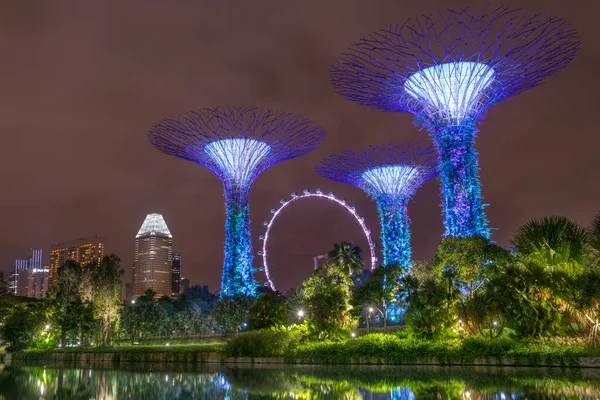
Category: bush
<point>261,343</point>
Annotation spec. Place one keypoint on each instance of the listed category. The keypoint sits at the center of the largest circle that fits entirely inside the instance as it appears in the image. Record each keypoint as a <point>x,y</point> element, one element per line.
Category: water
<point>176,381</point>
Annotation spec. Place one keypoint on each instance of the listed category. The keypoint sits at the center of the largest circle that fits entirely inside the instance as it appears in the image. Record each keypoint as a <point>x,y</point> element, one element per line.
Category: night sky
<point>81,82</point>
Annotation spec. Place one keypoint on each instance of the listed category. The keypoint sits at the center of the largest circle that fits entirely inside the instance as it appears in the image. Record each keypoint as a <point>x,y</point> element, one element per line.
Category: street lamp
<point>132,301</point>
<point>300,314</point>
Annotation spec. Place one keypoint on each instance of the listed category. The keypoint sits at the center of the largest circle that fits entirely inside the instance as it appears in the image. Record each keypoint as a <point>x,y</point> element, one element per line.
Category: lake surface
<point>175,381</point>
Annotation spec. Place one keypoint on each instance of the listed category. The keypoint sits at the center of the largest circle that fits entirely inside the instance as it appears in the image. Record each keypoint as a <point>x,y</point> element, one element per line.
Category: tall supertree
<point>390,174</point>
<point>448,69</point>
<point>237,144</point>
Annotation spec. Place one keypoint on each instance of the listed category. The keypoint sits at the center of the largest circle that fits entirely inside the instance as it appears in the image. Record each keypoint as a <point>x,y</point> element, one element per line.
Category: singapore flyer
<point>306,194</point>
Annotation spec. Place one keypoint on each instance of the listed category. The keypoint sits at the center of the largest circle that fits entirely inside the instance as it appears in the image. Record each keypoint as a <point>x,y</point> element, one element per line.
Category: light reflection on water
<point>173,381</point>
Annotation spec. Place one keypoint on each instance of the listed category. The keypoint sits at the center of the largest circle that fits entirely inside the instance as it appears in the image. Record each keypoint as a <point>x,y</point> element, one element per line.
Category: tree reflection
<point>338,382</point>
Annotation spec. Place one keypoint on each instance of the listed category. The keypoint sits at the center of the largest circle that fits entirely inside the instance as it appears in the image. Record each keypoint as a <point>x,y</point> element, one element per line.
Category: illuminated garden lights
<point>390,174</point>
<point>237,144</point>
<point>448,70</point>
<point>307,194</point>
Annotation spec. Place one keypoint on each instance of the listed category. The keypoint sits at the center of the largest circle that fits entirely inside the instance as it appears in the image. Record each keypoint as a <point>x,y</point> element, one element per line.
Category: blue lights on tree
<point>448,70</point>
<point>237,144</point>
<point>390,174</point>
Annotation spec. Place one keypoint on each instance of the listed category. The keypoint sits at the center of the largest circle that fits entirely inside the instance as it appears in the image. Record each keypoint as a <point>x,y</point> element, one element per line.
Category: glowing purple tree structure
<point>237,144</point>
<point>448,69</point>
<point>390,174</point>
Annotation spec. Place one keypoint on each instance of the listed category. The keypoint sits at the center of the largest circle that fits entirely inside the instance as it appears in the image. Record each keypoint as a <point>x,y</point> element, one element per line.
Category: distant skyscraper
<point>128,291</point>
<point>34,262</point>
<point>176,275</point>
<point>153,257</point>
<point>185,285</point>
<point>83,251</point>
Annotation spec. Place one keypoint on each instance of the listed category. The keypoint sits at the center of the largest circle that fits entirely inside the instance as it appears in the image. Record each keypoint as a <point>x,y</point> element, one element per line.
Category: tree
<point>106,292</point>
<point>379,291</point>
<point>22,328</point>
<point>269,310</point>
<point>347,257</point>
<point>466,263</point>
<point>523,295</point>
<point>554,242</point>
<point>429,313</point>
<point>65,299</point>
<point>3,285</point>
<point>327,294</point>
<point>595,241</point>
<point>231,312</point>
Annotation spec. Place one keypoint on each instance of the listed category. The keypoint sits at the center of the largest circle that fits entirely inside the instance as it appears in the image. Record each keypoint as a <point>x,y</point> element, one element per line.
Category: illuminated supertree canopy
<point>390,174</point>
<point>448,69</point>
<point>237,144</point>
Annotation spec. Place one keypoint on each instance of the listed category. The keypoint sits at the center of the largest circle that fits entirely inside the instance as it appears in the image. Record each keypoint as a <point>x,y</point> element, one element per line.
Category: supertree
<point>448,69</point>
<point>390,174</point>
<point>237,144</point>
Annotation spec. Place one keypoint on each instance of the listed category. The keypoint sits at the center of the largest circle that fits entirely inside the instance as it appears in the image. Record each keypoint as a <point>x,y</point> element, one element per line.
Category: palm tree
<point>555,242</point>
<point>347,257</point>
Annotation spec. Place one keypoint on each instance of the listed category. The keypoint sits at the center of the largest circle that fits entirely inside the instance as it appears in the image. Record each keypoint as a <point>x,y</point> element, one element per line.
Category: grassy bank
<point>391,349</point>
<point>368,349</point>
<point>174,353</point>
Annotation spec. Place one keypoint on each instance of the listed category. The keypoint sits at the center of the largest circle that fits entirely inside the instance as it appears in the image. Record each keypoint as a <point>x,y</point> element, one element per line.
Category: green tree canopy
<point>269,310</point>
<point>106,292</point>
<point>347,257</point>
<point>554,242</point>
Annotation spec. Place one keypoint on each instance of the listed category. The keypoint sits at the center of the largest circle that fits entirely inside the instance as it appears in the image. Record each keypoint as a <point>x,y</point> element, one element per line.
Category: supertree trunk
<point>458,173</point>
<point>238,278</point>
<point>395,232</point>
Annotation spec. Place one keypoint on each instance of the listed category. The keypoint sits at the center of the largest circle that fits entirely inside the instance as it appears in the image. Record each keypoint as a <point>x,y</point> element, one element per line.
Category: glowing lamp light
<point>353,334</point>
<point>132,301</point>
<point>451,90</point>
<point>370,309</point>
<point>300,313</point>
<point>238,157</point>
<point>393,179</point>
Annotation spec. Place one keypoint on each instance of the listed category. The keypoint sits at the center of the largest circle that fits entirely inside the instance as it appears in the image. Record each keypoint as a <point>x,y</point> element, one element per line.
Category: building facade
<point>153,257</point>
<point>185,285</point>
<point>176,275</point>
<point>33,262</point>
<point>33,283</point>
<point>83,251</point>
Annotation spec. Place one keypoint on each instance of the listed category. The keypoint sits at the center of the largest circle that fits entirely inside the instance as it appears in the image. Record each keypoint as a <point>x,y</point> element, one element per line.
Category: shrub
<point>261,343</point>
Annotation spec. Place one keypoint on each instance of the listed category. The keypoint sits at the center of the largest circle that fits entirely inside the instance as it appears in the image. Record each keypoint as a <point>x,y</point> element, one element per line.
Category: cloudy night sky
<point>81,83</point>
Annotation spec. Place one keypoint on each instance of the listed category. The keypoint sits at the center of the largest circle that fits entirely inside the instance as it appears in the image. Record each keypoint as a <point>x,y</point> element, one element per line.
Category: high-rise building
<point>34,262</point>
<point>176,275</point>
<point>153,257</point>
<point>185,285</point>
<point>83,251</point>
<point>128,291</point>
<point>33,282</point>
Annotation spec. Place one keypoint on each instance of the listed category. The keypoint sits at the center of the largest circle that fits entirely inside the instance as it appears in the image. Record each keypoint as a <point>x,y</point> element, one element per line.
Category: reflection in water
<point>318,382</point>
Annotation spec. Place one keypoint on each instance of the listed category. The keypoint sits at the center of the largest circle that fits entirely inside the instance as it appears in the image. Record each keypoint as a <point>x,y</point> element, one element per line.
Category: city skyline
<point>84,86</point>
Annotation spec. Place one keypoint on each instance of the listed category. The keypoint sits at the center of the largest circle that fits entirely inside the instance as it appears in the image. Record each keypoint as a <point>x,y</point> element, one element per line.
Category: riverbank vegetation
<point>538,300</point>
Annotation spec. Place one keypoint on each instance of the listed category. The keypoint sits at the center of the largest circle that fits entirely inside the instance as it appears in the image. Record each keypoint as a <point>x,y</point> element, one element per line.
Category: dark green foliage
<point>389,349</point>
<point>553,241</point>
<point>23,328</point>
<point>429,313</point>
<point>466,263</point>
<point>3,285</point>
<point>380,290</point>
<point>327,294</point>
<point>106,292</point>
<point>269,310</point>
<point>261,343</point>
<point>346,257</point>
<point>231,312</point>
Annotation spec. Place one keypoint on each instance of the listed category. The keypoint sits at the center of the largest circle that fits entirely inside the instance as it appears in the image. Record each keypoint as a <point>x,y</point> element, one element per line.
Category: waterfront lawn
<point>381,348</point>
